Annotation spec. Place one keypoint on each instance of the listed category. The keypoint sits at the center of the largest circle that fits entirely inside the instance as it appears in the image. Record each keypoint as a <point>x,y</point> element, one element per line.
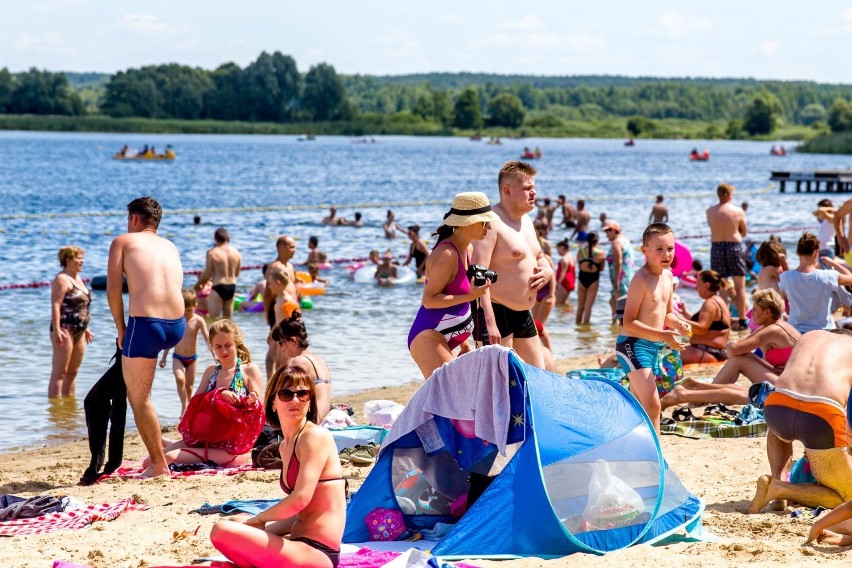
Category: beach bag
<point>212,421</point>
<point>382,412</point>
<point>669,370</point>
<point>385,524</point>
<point>612,503</point>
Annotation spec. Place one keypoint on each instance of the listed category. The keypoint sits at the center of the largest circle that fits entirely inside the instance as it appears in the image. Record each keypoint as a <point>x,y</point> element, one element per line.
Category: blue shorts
<point>634,353</point>
<point>582,236</point>
<point>146,337</point>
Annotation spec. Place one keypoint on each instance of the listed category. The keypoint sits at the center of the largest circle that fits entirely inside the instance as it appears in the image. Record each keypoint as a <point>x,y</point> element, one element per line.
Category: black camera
<point>480,274</point>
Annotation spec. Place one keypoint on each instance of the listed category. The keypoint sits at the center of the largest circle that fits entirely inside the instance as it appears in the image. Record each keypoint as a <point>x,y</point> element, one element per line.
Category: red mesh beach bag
<point>212,421</point>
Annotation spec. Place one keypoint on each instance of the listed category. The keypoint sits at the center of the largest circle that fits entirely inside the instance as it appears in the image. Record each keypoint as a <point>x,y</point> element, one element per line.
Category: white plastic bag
<point>612,503</point>
<point>382,412</point>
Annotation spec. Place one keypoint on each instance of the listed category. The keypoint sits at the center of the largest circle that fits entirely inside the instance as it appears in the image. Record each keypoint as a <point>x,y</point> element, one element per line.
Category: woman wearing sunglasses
<point>312,514</point>
<point>241,379</point>
<point>291,338</point>
<point>445,321</point>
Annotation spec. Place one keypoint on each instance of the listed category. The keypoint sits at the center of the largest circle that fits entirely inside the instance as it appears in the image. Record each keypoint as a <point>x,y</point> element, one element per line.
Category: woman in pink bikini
<point>241,378</point>
<point>775,338</point>
<point>306,527</point>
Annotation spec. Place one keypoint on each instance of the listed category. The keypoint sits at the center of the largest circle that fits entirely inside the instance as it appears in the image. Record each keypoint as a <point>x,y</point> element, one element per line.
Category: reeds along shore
<point>721,472</point>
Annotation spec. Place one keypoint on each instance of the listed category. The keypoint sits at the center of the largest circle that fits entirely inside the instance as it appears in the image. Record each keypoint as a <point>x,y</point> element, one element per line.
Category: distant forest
<point>272,89</point>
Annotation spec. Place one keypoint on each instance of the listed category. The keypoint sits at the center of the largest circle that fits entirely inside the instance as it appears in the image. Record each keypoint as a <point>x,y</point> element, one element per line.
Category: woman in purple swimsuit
<point>445,321</point>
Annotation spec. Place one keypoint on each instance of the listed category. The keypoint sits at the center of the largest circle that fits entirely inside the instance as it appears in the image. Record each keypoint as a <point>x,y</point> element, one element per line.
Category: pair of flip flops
<point>682,414</point>
<point>720,412</point>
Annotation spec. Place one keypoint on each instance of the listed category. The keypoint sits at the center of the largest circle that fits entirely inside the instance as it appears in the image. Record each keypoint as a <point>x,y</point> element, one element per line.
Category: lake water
<point>61,189</point>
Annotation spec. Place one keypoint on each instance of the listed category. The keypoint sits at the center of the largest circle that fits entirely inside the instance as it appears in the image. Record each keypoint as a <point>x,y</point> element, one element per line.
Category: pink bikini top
<point>778,357</point>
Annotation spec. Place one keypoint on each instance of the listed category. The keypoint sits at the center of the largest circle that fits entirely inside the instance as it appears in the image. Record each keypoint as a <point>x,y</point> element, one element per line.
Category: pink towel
<point>369,558</point>
<point>135,471</point>
<point>366,558</point>
<point>69,520</point>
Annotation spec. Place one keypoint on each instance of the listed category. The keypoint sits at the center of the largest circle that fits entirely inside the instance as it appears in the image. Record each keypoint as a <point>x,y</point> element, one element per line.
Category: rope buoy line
<point>258,208</point>
<point>44,284</point>
<point>756,231</point>
<point>264,208</point>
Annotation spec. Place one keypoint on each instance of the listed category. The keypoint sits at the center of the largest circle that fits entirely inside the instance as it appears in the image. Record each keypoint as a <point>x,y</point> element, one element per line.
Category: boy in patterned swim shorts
<point>649,320</point>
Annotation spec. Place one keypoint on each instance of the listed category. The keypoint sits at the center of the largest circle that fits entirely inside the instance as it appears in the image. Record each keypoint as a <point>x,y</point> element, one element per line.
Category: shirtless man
<point>569,214</point>
<point>659,212</point>
<point>808,405</point>
<point>511,249</point>
<point>223,267</point>
<point>286,247</point>
<point>841,224</point>
<point>154,278</point>
<point>727,229</point>
<point>332,218</point>
<point>581,228</point>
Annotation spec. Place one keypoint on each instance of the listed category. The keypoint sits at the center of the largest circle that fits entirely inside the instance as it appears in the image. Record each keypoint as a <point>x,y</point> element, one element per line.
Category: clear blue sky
<point>722,38</point>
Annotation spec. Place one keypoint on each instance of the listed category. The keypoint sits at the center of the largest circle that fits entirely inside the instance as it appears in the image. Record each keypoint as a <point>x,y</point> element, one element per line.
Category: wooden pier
<point>831,181</point>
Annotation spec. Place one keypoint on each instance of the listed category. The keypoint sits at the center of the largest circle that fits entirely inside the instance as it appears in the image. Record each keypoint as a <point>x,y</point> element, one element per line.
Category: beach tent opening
<point>546,442</point>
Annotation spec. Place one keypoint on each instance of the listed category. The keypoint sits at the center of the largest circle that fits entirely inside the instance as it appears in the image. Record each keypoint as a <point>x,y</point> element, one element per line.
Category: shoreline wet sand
<point>721,472</point>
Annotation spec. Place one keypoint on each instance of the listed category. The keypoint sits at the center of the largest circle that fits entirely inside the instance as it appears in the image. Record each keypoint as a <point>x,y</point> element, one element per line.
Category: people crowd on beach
<point>489,278</point>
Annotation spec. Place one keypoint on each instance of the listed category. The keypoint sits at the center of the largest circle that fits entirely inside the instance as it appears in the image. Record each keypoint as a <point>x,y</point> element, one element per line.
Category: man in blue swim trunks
<point>154,275</point>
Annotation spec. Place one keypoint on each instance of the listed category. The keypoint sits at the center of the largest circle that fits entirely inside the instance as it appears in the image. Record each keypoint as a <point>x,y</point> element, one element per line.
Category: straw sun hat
<point>469,208</point>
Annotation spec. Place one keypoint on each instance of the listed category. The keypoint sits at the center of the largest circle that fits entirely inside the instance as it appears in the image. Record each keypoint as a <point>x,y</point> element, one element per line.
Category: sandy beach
<point>721,472</point>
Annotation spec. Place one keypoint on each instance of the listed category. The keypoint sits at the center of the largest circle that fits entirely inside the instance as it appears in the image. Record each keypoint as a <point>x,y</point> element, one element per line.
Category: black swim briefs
<point>519,324</point>
<point>225,291</point>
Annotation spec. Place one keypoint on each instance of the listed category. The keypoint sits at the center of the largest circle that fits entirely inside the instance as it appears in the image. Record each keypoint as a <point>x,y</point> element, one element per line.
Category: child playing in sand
<point>185,356</point>
<point>647,315</point>
<point>278,281</point>
<point>385,271</point>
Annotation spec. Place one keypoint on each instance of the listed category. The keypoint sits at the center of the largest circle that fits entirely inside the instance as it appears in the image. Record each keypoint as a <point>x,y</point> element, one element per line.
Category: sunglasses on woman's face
<point>486,225</point>
<point>286,395</point>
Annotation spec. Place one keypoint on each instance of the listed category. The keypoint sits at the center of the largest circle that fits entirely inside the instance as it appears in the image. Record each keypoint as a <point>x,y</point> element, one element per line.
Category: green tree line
<point>272,89</point>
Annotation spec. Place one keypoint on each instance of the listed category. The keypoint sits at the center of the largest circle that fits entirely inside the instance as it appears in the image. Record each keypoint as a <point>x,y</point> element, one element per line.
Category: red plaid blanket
<point>134,471</point>
<point>69,520</point>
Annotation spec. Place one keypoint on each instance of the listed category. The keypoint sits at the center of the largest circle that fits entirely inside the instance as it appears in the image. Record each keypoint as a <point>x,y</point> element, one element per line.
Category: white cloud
<point>573,43</point>
<point>57,5</point>
<point>769,47</point>
<point>453,19</point>
<point>675,24</point>
<point>149,25</point>
<point>47,44</point>
<point>527,23</point>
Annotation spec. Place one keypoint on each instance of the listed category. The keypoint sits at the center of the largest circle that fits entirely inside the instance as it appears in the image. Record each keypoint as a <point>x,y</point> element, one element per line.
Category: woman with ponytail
<point>590,262</point>
<point>445,320</point>
<point>292,339</point>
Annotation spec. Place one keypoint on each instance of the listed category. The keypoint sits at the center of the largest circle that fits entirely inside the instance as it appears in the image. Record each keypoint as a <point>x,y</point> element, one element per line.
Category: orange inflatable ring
<point>311,288</point>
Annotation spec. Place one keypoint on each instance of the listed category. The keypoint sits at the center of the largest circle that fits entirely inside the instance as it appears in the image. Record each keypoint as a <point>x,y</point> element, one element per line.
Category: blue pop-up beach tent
<point>557,433</point>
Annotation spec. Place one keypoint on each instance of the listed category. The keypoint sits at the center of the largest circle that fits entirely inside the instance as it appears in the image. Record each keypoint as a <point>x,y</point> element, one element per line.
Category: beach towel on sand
<point>702,429</point>
<point>69,520</point>
<point>135,471</point>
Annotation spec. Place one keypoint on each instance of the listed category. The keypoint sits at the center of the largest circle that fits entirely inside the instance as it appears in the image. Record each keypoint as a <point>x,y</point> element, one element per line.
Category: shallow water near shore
<point>61,189</point>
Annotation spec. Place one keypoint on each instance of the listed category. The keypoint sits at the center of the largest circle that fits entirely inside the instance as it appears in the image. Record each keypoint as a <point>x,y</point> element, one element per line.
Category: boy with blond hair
<point>185,356</point>
<point>649,320</point>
